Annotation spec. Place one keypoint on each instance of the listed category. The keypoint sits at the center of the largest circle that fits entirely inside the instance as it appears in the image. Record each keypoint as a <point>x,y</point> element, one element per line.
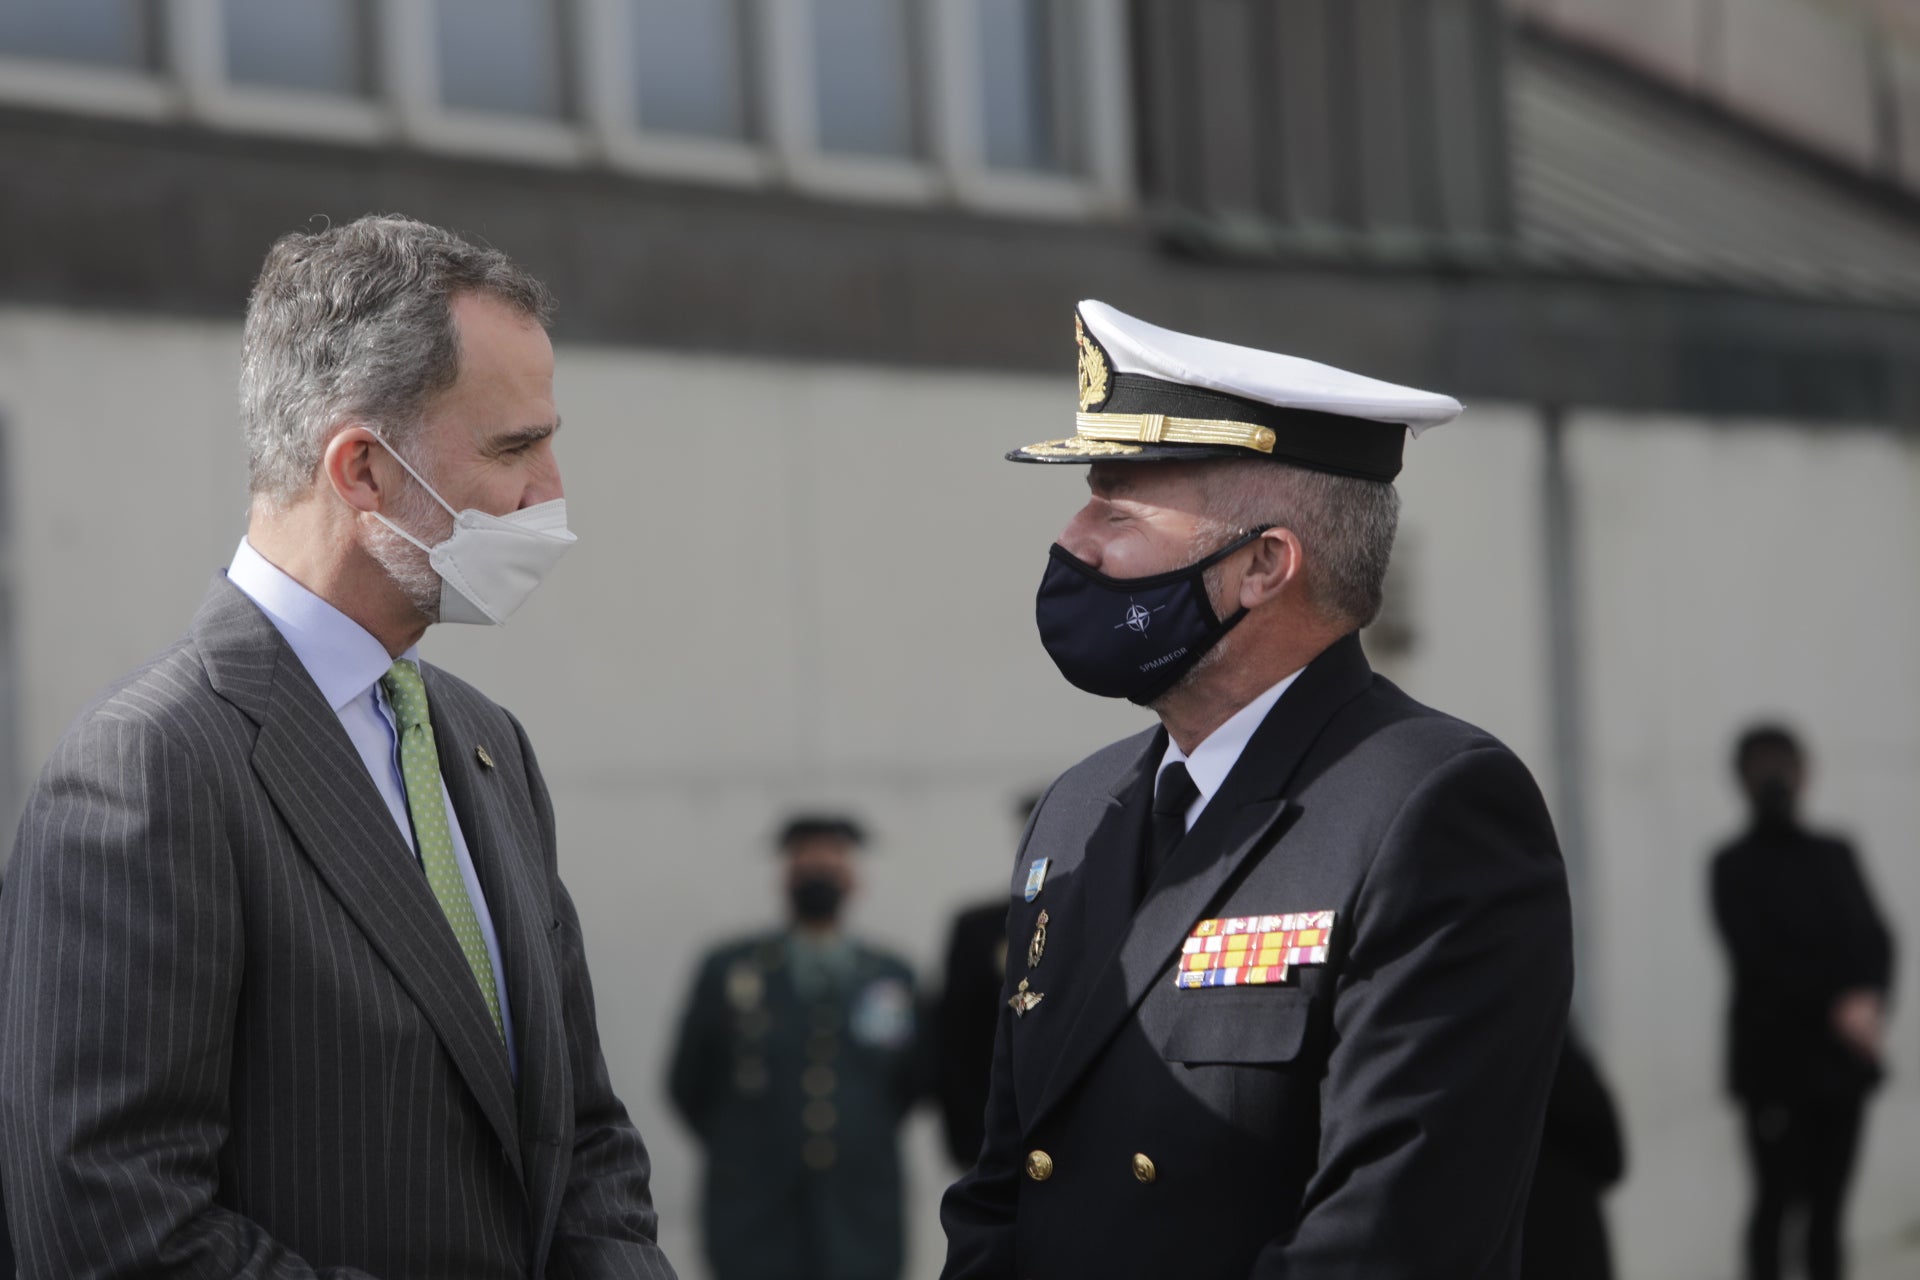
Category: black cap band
<point>1331,442</point>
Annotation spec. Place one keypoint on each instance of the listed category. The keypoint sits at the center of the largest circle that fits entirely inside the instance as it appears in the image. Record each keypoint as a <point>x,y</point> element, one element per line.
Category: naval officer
<point>1290,970</point>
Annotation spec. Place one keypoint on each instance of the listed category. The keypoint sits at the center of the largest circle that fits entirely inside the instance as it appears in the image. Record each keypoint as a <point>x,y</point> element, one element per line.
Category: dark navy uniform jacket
<point>1373,1115</point>
<point>798,1102</point>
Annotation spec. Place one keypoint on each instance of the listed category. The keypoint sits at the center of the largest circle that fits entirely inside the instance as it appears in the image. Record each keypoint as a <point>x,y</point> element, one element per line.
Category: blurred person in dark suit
<point>967,1012</point>
<point>290,983</point>
<point>798,1057</point>
<point>1812,963</point>
<point>1581,1155</point>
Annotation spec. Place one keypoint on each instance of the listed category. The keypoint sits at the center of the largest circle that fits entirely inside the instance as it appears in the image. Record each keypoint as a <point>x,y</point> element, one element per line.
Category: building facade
<point>816,260</point>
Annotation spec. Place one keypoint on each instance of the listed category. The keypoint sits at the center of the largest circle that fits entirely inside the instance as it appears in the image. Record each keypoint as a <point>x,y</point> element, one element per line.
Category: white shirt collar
<point>1220,750</point>
<point>341,655</point>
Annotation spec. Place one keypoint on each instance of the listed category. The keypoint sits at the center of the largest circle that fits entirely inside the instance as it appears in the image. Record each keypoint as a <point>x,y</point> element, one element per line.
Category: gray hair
<point>1345,524</point>
<point>355,322</point>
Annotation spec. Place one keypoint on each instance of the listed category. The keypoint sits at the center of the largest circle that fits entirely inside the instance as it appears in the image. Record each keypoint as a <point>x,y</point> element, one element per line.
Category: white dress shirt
<point>347,662</point>
<point>1220,750</point>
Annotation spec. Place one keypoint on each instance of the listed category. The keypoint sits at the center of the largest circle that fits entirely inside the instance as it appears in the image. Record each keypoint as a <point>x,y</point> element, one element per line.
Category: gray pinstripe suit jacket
<point>237,1037</point>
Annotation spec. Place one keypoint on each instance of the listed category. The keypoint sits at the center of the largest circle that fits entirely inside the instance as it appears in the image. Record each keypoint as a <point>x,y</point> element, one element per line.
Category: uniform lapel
<point>505,864</point>
<point>1241,818</point>
<point>1089,897</point>
<point>316,780</point>
<point>1110,867</point>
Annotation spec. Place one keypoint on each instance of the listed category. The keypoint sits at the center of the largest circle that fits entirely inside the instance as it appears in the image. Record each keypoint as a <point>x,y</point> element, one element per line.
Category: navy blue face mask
<point>1129,637</point>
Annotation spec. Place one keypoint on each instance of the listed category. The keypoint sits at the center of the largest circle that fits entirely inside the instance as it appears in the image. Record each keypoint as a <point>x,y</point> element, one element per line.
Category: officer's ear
<point>1277,562</point>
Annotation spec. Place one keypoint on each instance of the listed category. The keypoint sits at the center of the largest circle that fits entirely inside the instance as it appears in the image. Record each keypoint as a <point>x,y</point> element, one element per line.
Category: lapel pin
<point>480,754</point>
<point>1036,877</point>
<point>1038,947</point>
<point>1024,1000</point>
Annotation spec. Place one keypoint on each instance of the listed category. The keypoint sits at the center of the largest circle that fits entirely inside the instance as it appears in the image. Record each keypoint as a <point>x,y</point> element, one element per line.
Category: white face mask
<point>489,565</point>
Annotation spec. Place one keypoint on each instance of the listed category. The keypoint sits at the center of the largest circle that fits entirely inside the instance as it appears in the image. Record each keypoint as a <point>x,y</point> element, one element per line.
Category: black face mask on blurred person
<point>815,900</point>
<point>1129,637</point>
<point>1773,802</point>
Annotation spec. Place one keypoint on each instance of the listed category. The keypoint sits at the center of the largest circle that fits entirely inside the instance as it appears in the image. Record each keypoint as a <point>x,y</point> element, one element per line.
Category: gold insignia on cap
<point>1155,428</point>
<point>1079,447</point>
<point>1093,369</point>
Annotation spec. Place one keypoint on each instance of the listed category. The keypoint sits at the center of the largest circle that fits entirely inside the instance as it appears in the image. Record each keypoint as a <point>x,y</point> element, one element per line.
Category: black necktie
<point>1173,795</point>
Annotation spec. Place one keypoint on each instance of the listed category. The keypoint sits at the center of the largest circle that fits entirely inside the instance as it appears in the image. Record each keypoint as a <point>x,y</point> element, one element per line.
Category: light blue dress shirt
<point>347,662</point>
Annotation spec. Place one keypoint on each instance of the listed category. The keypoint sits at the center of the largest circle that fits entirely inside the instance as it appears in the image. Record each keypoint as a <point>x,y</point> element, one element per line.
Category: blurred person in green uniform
<point>796,1061</point>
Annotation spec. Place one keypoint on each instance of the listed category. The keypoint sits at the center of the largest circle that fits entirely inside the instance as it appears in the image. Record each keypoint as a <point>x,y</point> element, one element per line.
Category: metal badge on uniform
<point>1252,951</point>
<point>480,754</point>
<point>1037,947</point>
<point>746,986</point>
<point>1023,1000</point>
<point>1036,877</point>
<point>882,1015</point>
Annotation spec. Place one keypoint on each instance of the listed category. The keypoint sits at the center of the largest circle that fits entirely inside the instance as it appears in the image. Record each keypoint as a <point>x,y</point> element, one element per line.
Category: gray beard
<point>404,563</point>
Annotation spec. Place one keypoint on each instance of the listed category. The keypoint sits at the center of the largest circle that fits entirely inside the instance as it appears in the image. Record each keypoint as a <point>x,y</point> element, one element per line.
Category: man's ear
<point>351,464</point>
<point>1279,561</point>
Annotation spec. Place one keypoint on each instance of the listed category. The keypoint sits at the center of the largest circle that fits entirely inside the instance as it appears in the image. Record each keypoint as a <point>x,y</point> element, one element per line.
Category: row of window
<point>1019,99</point>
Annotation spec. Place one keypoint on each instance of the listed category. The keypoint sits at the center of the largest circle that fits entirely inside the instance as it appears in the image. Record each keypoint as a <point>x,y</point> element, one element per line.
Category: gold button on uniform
<point>819,1116</point>
<point>1039,1166</point>
<point>818,1080</point>
<point>1143,1168</point>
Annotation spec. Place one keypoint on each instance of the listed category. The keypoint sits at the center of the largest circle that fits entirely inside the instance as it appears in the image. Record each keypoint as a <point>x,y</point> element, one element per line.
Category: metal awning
<point>1616,176</point>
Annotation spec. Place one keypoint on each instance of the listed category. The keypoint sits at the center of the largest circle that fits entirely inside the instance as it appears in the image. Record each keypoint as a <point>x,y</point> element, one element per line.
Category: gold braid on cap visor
<point>1155,428</point>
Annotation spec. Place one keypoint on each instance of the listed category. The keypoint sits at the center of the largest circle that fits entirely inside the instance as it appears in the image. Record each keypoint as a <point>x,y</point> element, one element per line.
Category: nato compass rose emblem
<point>1138,618</point>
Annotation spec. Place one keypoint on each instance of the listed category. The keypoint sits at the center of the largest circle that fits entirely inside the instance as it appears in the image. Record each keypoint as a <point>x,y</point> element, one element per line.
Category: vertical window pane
<point>690,59</point>
<point>1026,84</point>
<point>298,44</point>
<point>114,33</point>
<point>501,55</point>
<point>864,76</point>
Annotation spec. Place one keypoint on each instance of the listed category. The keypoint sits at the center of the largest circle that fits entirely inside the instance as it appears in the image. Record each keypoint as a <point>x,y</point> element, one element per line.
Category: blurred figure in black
<point>797,1059</point>
<point>1581,1155</point>
<point>1811,966</point>
<point>968,1011</point>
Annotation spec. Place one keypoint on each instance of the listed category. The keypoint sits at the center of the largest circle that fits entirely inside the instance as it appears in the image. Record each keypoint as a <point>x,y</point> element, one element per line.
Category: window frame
<point>196,34</point>
<point>409,53</point>
<point>1102,103</point>
<point>190,83</point>
<point>610,107</point>
<point>788,72</point>
<point>151,93</point>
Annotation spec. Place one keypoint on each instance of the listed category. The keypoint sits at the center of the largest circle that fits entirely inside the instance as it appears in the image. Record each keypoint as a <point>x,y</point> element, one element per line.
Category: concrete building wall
<point>1731,571</point>
<point>812,584</point>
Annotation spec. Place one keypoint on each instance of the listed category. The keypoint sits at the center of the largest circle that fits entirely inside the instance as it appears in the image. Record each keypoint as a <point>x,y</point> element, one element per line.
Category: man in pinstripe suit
<point>289,985</point>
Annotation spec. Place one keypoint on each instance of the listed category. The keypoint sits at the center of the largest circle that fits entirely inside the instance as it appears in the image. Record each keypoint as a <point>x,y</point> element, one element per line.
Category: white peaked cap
<point>1149,394</point>
<point>1134,346</point>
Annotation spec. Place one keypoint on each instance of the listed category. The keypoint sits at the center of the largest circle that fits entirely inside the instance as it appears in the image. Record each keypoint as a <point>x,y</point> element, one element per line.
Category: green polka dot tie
<point>420,766</point>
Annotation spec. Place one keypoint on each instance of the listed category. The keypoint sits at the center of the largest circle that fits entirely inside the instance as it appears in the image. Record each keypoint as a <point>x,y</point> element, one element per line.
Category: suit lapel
<point>1241,818</point>
<point>314,775</point>
<point>505,864</point>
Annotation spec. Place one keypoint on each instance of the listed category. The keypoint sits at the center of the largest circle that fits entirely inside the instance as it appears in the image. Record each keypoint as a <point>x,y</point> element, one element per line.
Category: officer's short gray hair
<point>1345,524</point>
<point>354,323</point>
